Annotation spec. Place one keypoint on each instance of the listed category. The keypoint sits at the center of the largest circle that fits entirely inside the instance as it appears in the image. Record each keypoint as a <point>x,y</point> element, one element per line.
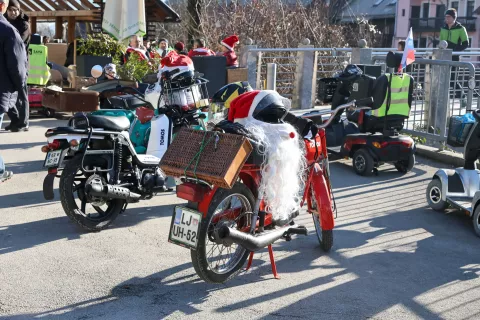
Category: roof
<point>368,9</point>
<point>91,10</point>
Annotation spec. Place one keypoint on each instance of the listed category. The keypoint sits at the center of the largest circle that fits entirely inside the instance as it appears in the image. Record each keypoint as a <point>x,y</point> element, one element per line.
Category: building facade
<point>426,17</point>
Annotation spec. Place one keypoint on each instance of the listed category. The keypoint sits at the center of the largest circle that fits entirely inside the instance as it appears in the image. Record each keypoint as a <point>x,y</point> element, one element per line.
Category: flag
<point>409,51</point>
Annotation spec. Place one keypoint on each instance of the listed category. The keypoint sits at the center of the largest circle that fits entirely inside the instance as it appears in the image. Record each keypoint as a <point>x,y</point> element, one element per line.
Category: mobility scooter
<point>460,188</point>
<point>370,141</point>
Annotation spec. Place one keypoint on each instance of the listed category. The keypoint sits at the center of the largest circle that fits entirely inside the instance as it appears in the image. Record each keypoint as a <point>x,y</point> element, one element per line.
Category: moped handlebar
<point>362,104</point>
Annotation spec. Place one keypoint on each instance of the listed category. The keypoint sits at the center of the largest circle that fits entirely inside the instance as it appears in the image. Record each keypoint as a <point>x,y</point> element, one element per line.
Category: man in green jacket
<point>454,33</point>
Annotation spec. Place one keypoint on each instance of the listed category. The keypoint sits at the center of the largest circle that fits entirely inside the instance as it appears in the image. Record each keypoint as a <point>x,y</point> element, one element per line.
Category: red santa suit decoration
<point>202,52</point>
<point>230,43</point>
<point>284,159</point>
<point>141,54</point>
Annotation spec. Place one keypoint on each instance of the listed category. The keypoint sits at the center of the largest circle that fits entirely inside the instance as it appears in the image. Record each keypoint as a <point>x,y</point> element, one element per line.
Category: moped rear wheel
<point>215,261</point>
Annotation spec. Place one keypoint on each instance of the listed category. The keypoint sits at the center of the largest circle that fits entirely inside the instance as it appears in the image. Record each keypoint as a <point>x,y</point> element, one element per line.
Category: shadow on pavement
<point>27,235</point>
<point>26,167</point>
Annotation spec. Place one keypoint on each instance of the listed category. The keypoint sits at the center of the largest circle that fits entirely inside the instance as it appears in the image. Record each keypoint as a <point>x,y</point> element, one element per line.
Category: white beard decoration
<point>283,166</point>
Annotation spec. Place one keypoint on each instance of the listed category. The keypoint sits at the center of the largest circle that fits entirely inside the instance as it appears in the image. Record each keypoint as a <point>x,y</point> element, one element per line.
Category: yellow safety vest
<point>39,73</point>
<point>399,98</point>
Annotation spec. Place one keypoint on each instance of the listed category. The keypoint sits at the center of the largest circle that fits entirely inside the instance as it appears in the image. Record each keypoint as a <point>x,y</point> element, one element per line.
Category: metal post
<point>251,64</point>
<point>437,86</point>
<point>271,76</point>
<point>305,78</point>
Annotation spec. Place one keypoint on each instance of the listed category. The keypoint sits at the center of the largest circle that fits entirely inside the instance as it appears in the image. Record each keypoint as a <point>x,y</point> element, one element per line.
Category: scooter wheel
<point>363,162</point>
<point>476,220</point>
<point>405,166</point>
<point>434,196</point>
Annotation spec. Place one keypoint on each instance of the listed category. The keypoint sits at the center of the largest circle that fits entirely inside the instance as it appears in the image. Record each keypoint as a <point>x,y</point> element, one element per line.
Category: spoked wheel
<point>91,213</point>
<point>217,261</point>
<point>325,237</point>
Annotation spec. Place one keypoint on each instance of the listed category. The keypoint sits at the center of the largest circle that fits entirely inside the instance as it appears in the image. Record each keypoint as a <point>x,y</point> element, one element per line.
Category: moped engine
<point>154,181</point>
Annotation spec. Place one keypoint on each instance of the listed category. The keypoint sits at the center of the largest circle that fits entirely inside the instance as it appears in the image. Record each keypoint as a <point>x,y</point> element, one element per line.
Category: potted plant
<point>99,49</point>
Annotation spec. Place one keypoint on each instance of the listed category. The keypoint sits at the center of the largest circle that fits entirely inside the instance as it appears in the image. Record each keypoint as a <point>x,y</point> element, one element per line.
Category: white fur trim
<point>226,45</point>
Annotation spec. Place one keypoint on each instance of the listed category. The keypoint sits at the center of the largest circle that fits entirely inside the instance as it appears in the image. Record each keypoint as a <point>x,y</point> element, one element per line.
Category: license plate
<point>184,227</point>
<point>53,158</point>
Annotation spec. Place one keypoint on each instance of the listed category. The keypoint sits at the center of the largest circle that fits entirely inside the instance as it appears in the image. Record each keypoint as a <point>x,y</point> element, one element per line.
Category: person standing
<point>13,66</point>
<point>228,50</point>
<point>179,48</point>
<point>20,114</point>
<point>454,33</point>
<point>163,48</point>
<point>199,49</point>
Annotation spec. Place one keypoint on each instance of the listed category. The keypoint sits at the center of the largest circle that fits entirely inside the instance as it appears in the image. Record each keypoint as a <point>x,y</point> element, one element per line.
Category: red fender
<point>322,194</point>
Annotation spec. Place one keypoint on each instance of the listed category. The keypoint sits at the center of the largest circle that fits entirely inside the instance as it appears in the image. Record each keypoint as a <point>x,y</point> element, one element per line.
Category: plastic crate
<point>326,89</point>
<point>458,131</point>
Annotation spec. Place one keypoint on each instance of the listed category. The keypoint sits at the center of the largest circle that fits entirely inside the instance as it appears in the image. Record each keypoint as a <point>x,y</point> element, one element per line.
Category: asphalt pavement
<point>393,258</point>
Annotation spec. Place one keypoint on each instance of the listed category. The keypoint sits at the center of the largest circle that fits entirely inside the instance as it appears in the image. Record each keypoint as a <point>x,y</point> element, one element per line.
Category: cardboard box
<point>237,74</point>
<point>57,52</point>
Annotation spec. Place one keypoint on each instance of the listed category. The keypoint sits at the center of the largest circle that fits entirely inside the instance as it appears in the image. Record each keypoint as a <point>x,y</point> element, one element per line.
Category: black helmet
<point>352,70</point>
<point>271,108</point>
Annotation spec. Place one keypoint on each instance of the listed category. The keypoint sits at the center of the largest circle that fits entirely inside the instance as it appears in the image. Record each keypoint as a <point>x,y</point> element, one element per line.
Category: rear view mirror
<point>96,71</point>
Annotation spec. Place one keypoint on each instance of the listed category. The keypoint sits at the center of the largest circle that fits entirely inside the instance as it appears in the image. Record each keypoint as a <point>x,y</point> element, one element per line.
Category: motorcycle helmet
<point>229,92</point>
<point>352,70</point>
<point>111,71</point>
<point>272,108</point>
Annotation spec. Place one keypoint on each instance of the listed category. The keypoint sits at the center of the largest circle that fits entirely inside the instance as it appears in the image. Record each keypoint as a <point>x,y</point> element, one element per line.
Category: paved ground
<point>393,258</point>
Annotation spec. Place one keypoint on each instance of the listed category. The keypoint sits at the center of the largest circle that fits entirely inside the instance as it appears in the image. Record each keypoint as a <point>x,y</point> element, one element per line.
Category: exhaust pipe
<point>255,243</point>
<point>110,191</point>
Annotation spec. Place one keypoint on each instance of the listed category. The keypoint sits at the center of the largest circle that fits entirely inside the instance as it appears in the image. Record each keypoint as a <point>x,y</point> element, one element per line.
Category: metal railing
<point>440,91</point>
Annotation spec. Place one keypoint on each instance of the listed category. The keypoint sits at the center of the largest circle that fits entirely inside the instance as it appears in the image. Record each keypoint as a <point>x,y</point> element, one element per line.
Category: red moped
<point>226,226</point>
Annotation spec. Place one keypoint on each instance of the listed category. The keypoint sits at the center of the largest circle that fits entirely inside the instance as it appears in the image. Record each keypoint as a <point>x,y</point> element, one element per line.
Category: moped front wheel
<point>214,260</point>
<point>325,237</point>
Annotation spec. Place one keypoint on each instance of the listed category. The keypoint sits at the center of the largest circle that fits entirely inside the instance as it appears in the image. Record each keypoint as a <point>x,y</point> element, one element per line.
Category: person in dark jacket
<point>19,115</point>
<point>13,65</point>
<point>454,33</point>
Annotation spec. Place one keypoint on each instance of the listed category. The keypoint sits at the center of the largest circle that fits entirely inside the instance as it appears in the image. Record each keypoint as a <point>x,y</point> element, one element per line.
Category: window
<point>415,12</point>
<point>423,43</point>
<point>426,9</point>
<point>470,8</point>
<point>403,12</point>
<point>454,4</point>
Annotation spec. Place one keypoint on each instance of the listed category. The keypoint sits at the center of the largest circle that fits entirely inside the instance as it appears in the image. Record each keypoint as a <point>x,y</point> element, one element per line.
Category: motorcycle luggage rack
<point>85,151</point>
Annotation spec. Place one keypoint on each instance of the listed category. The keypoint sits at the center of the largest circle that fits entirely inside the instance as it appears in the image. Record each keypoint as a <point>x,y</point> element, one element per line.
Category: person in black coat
<point>19,115</point>
<point>13,65</point>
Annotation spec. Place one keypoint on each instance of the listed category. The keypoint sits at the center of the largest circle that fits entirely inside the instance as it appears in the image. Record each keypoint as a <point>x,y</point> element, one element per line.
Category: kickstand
<point>272,262</point>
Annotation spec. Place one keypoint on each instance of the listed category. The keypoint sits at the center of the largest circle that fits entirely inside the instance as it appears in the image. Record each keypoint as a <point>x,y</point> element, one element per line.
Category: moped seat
<point>108,123</point>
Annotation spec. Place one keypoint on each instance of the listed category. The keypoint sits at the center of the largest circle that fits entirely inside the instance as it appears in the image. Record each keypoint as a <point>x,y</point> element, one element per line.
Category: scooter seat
<point>108,123</point>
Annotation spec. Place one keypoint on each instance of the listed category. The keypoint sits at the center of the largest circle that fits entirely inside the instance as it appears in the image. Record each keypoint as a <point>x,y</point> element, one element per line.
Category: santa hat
<point>242,107</point>
<point>230,42</point>
<point>173,60</point>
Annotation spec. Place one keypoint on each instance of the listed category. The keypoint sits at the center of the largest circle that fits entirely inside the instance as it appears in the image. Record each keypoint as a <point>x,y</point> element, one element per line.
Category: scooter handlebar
<point>362,104</point>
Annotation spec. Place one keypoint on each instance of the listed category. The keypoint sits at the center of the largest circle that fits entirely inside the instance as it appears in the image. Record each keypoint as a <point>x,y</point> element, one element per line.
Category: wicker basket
<point>219,163</point>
